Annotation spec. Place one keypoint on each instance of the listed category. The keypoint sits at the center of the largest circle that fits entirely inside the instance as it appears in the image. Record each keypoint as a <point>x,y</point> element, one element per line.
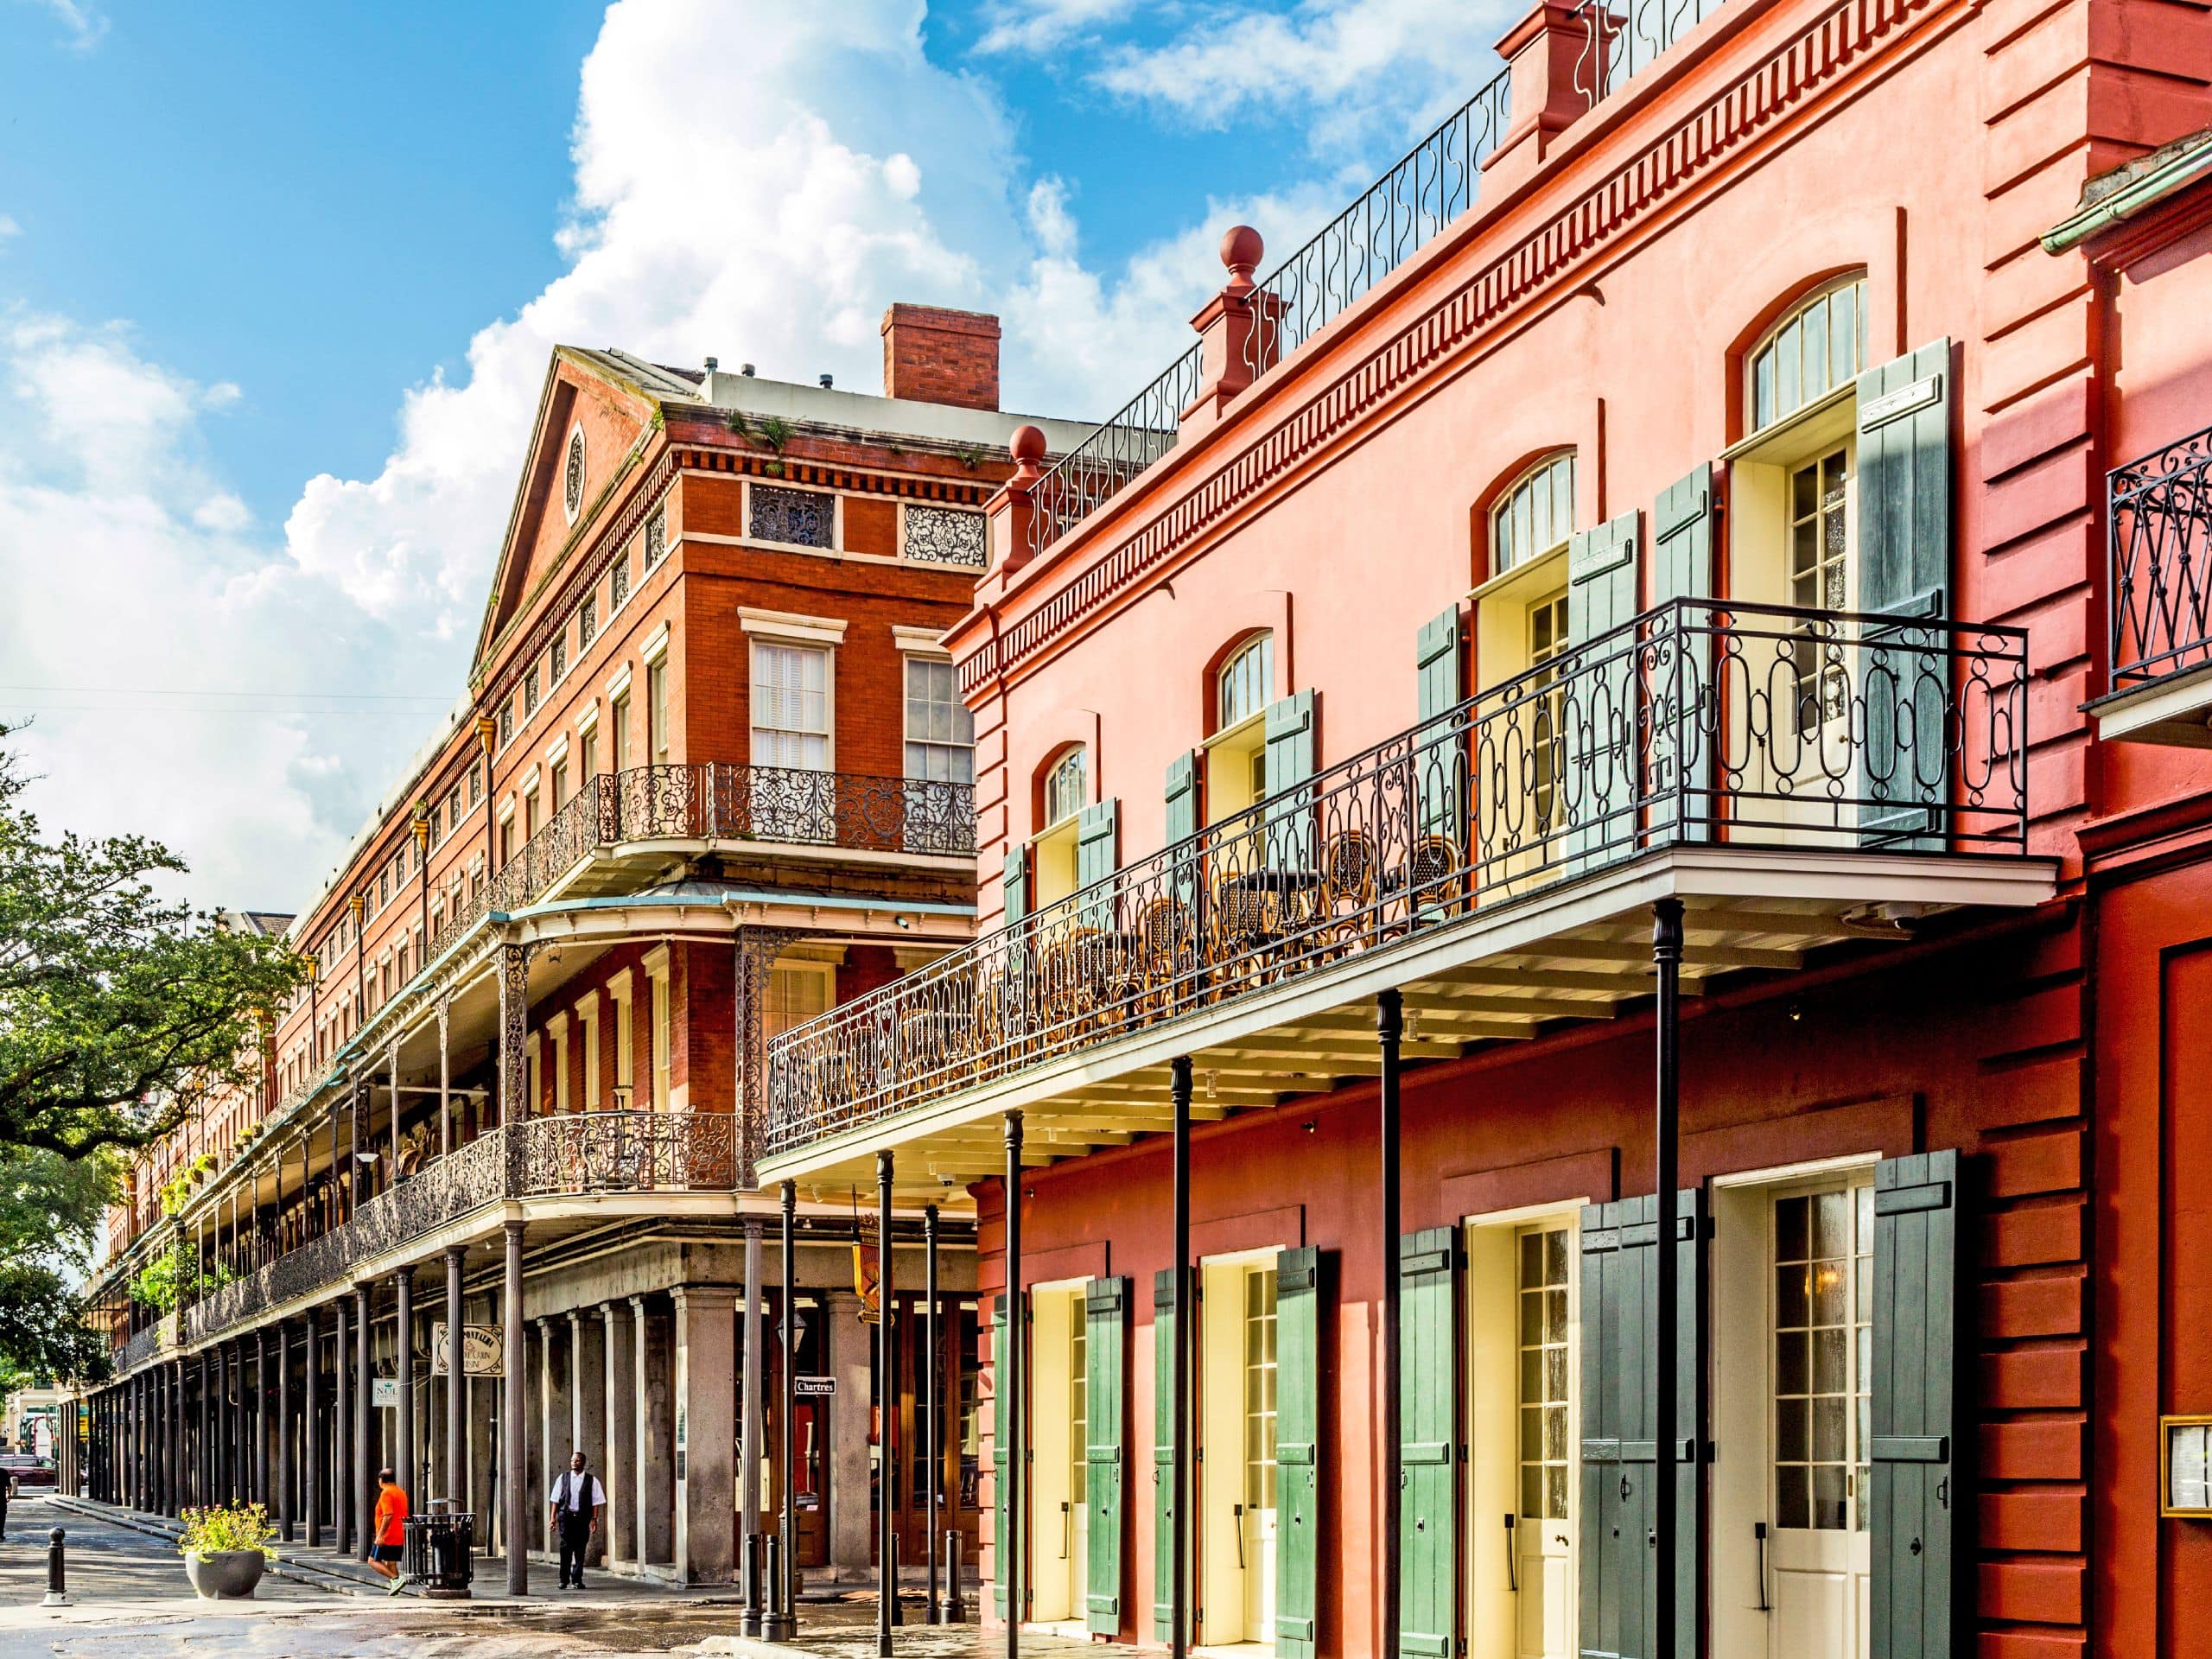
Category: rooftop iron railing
<point>1696,722</point>
<point>2159,525</point>
<point>1622,38</point>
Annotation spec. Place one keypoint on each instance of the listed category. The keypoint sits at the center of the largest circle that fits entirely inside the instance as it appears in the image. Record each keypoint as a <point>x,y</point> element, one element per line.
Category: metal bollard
<point>952,1608</point>
<point>750,1568</point>
<point>57,1571</point>
<point>780,1623</point>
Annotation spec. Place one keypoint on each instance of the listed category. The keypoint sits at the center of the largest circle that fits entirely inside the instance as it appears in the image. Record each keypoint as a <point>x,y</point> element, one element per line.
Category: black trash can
<point>441,1551</point>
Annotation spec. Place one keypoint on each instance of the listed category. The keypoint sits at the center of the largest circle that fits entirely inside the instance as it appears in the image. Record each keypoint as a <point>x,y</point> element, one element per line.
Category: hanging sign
<point>867,1281</point>
<point>384,1391</point>
<point>483,1350</point>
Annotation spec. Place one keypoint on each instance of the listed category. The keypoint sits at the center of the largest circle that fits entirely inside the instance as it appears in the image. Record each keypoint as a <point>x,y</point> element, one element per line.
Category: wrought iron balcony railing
<point>718,801</point>
<point>2159,525</point>
<point>565,1154</point>
<point>1694,722</point>
<point>1622,38</point>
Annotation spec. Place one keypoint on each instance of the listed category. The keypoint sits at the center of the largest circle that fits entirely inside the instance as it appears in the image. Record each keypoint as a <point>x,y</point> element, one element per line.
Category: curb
<point>314,1574</point>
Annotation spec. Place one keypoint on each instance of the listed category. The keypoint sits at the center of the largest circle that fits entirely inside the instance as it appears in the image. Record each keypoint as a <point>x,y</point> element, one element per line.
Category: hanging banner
<point>483,1350</point>
<point>867,1281</point>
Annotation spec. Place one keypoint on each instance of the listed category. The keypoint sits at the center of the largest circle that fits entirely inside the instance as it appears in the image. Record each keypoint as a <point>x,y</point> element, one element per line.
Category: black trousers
<point>575,1535</point>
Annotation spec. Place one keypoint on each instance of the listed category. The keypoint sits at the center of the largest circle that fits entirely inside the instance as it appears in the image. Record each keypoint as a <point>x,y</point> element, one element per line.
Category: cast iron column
<point>341,1417</point>
<point>1666,958</point>
<point>364,1495</point>
<point>262,1492</point>
<point>284,1429</point>
<point>1017,1425</point>
<point>1389,1026</point>
<point>403,1370</point>
<point>750,1427</point>
<point>1178,1499</point>
<point>516,1518</point>
<point>886,1416</point>
<point>781,1623</point>
<point>311,1431</point>
<point>931,1444</point>
<point>457,1381</point>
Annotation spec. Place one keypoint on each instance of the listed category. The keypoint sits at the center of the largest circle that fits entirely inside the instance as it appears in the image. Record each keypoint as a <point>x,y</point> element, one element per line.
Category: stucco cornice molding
<point>1631,192</point>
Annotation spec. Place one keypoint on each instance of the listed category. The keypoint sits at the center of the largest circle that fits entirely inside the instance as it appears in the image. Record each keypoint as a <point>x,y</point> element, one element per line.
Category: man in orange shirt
<point>391,1532</point>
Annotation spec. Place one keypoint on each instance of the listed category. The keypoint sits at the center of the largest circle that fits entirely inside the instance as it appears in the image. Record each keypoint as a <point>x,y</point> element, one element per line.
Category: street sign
<point>814,1387</point>
<point>483,1350</point>
<point>384,1391</point>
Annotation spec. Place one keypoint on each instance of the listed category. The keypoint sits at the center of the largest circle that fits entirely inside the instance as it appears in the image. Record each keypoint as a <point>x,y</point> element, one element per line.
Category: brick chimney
<point>936,356</point>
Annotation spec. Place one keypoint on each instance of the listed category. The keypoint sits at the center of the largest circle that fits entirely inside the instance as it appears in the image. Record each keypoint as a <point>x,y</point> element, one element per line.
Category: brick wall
<point>936,356</point>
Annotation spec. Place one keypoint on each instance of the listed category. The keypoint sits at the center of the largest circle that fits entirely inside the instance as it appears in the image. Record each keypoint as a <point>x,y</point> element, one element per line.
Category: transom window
<point>1535,516</point>
<point>1545,1464</point>
<point>791,706</point>
<point>940,732</point>
<point>1067,785</point>
<point>1820,344</point>
<point>1823,1357</point>
<point>1245,682</point>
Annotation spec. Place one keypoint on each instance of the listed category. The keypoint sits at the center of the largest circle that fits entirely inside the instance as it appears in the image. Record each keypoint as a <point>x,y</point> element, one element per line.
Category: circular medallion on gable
<point>572,482</point>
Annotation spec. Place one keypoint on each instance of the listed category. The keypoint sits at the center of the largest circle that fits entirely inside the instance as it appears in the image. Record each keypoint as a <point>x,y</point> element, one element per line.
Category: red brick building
<point>1656,692</point>
<point>709,775</point>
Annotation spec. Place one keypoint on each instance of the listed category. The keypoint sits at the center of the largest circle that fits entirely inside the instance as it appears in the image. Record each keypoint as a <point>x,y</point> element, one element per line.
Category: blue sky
<point>277,282</point>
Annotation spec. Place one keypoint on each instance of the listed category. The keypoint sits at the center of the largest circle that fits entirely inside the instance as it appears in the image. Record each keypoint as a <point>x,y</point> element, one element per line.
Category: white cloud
<point>84,26</point>
<point>9,229</point>
<point>1030,26</point>
<point>1352,67</point>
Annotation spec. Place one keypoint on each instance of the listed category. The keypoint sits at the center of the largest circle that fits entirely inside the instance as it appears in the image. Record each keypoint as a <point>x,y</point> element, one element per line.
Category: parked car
<point>25,1471</point>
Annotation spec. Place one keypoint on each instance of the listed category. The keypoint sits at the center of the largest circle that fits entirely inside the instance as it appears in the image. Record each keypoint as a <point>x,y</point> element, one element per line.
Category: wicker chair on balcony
<point>1431,882</point>
<point>1074,981</point>
<point>1166,954</point>
<point>1348,869</point>
<point>1247,936</point>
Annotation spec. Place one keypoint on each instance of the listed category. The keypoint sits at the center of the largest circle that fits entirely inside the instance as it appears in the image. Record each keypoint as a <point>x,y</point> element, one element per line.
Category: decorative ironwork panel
<point>514,1017</point>
<point>577,1153</point>
<point>802,517</point>
<point>2159,519</point>
<point>945,536</point>
<point>1693,722</point>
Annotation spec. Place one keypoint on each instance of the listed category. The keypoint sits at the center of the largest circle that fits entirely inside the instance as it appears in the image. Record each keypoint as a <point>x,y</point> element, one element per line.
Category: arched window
<point>1535,514</point>
<point>1067,784</point>
<point>1816,345</point>
<point>1245,682</point>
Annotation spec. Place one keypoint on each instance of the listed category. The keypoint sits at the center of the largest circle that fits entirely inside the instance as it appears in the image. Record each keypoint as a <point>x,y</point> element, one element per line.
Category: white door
<point>1543,1535</point>
<point>1820,1241</point>
<point>1258,1520</point>
<point>1076,1530</point>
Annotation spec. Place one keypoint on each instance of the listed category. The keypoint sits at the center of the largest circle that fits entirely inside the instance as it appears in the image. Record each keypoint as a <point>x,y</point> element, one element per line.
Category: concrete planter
<point>226,1574</point>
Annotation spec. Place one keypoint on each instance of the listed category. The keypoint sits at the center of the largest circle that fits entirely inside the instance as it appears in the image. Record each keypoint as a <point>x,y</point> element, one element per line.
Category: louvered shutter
<point>1014,886</point>
<point>1288,829</point>
<point>1106,1314</point>
<point>1163,1456</point>
<point>1439,751</point>
<point>1914,1447</point>
<point>1685,710</point>
<point>1903,672</point>
<point>1619,1287</point>
<point>1001,1438</point>
<point>1596,785</point>
<point>1183,819</point>
<point>1429,1350</point>
<point>1097,845</point>
<point>1298,1451</point>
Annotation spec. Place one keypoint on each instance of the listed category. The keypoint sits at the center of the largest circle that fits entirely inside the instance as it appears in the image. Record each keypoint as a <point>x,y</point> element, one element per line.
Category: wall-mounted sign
<point>384,1391</point>
<point>814,1387</point>
<point>2185,1478</point>
<point>483,1350</point>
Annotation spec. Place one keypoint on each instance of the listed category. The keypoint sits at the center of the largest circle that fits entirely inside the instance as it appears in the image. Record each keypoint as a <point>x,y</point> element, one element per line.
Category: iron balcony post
<point>1389,1027</point>
<point>1009,1570</point>
<point>781,1623</point>
<point>1667,959</point>
<point>1179,1473</point>
<point>516,1500</point>
<point>887,1369</point>
<point>932,1444</point>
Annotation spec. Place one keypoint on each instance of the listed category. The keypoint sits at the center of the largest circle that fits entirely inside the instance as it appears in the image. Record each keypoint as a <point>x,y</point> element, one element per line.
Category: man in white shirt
<point>577,1500</point>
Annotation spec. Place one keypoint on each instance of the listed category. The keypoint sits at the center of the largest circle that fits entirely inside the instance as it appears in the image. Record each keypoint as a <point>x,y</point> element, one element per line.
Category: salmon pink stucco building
<point>1595,1058</point>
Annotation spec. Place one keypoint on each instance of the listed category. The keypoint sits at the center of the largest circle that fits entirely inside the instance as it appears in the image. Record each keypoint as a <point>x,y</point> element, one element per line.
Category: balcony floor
<point>1575,951</point>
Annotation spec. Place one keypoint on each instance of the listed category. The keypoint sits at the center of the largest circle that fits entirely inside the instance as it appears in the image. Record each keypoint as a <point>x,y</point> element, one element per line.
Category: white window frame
<point>934,658</point>
<point>587,1027</point>
<point>557,1027</point>
<point>1794,318</point>
<point>660,1031</point>
<point>625,1077</point>
<point>754,729</point>
<point>1541,483</point>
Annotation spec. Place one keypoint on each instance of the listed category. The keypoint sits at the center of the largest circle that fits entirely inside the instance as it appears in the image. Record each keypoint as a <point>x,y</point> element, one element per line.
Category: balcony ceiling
<point>1511,975</point>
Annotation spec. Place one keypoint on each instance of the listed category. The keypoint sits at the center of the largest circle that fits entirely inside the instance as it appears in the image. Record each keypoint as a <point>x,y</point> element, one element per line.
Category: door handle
<point>1759,1533</point>
<point>1237,1510</point>
<point>1512,1566</point>
<point>1067,1526</point>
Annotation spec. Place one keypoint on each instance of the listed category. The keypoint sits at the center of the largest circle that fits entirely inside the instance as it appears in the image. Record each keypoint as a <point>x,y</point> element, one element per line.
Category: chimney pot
<point>827,382</point>
<point>713,363</point>
<point>744,369</point>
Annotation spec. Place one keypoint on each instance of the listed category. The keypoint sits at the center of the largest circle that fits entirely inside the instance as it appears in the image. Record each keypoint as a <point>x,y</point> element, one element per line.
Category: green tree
<point>120,1011</point>
<point>50,1212</point>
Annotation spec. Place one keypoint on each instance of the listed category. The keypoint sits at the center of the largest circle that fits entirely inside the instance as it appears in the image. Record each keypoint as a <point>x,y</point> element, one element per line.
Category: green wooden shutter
<point>1015,884</point>
<point>1428,1350</point>
<point>1298,1451</point>
<point>1440,756</point>
<point>1001,1437</point>
<point>1905,559</point>
<point>1163,1455</point>
<point>1915,1449</point>
<point>1619,1593</point>
<point>1288,829</point>
<point>1097,847</point>
<point>1183,819</point>
<point>1598,773</point>
<point>1685,710</point>
<point>1106,1315</point>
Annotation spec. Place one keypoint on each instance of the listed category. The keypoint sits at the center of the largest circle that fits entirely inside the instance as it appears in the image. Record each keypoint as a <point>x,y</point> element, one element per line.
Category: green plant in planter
<point>224,1528</point>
